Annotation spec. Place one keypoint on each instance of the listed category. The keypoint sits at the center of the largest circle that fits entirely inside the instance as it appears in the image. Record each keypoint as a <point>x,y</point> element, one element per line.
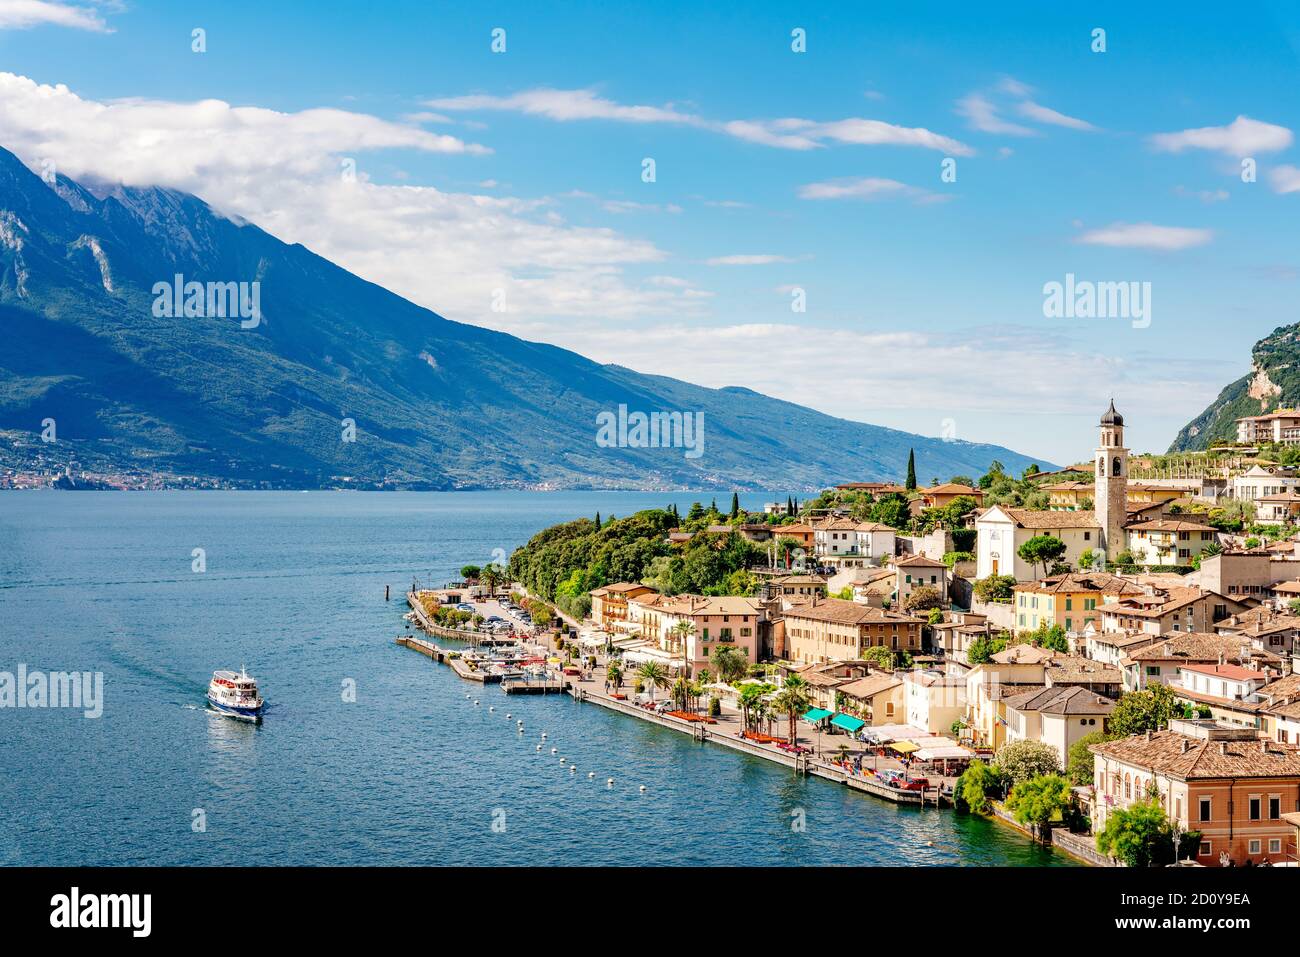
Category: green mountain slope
<point>1273,383</point>
<point>435,403</point>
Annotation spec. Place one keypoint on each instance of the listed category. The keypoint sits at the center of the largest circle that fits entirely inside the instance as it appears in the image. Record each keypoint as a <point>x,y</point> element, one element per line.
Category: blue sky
<point>487,178</point>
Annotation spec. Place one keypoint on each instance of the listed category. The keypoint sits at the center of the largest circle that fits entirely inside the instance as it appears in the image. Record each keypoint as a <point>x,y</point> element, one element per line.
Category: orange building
<point>938,496</point>
<point>1222,781</point>
<point>609,604</point>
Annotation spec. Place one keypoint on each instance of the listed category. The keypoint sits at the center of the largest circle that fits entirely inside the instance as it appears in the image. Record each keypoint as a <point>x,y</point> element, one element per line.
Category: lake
<point>412,772</point>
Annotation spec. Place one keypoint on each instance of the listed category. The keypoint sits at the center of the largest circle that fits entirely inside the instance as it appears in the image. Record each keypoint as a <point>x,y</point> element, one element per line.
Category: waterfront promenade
<point>726,730</point>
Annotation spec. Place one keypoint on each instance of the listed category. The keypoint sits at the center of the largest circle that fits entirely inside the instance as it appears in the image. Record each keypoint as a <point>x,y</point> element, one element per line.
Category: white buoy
<point>466,697</point>
<point>643,789</point>
<point>476,702</point>
<point>543,735</point>
<point>539,747</point>
<point>561,760</point>
<point>609,783</point>
<point>555,750</point>
<point>573,767</point>
<point>591,774</point>
<point>508,716</point>
<point>492,707</point>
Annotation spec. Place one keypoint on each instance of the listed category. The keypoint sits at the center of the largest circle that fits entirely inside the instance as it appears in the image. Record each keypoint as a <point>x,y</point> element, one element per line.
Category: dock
<point>527,686</point>
<point>442,656</point>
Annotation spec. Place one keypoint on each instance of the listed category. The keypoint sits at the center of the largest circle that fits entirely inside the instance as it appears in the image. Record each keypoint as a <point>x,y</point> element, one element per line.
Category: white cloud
<point>448,251</point>
<point>565,105</point>
<point>24,14</point>
<point>1242,137</point>
<point>742,259</point>
<point>1204,195</point>
<point>1147,236</point>
<point>915,379</point>
<point>1284,179</point>
<point>1042,114</point>
<point>792,133</point>
<point>868,188</point>
<point>982,115</point>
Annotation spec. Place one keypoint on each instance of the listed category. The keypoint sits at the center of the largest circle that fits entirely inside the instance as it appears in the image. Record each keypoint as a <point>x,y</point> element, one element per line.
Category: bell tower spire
<point>1111,489</point>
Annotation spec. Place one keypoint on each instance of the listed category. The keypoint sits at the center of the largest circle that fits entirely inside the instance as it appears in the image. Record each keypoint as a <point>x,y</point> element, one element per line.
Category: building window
<point>1205,849</point>
<point>1275,845</point>
<point>1254,846</point>
<point>1274,807</point>
<point>1254,807</point>
<point>1205,811</point>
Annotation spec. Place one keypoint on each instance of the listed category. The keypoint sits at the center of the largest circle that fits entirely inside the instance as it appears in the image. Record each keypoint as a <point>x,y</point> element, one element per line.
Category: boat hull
<point>232,711</point>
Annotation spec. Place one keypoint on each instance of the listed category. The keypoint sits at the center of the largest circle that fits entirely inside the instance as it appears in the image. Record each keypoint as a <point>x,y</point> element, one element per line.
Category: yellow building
<point>1070,601</point>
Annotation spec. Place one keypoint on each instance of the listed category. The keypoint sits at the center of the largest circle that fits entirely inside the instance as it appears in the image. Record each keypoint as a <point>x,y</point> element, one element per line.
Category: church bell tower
<point>1111,490</point>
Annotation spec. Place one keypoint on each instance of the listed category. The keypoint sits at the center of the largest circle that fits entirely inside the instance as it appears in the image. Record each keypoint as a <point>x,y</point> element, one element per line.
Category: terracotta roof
<point>1023,654</point>
<point>951,488</point>
<point>849,525</point>
<point>1197,646</point>
<point>1170,525</point>
<point>870,685</point>
<point>1100,582</point>
<point>1031,518</point>
<point>919,561</point>
<point>1163,753</point>
<point>846,612</point>
<point>1158,605</point>
<point>1060,700</point>
<point>1232,672</point>
<point>1076,669</point>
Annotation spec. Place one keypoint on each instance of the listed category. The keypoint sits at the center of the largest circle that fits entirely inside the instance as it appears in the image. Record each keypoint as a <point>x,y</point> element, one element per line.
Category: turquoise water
<point>412,772</point>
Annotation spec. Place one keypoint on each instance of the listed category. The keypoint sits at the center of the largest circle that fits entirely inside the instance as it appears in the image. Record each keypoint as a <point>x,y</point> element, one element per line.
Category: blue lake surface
<point>412,772</point>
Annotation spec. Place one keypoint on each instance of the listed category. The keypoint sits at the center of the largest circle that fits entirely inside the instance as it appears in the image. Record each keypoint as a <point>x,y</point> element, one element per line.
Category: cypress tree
<point>911,469</point>
<point>735,504</point>
<point>598,521</point>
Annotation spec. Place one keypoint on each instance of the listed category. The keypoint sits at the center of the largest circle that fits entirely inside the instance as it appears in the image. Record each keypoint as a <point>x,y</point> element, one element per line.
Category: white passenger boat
<point>236,695</point>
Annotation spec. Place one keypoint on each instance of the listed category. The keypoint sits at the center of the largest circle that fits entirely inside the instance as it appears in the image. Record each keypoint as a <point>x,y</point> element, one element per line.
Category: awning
<point>903,747</point>
<point>941,754</point>
<point>816,714</point>
<point>847,722</point>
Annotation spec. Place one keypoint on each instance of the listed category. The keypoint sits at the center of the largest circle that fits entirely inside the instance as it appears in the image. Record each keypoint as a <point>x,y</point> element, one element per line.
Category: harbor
<point>726,729</point>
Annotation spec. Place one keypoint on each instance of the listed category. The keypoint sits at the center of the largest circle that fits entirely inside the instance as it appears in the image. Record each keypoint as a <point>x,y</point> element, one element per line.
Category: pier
<point>442,656</point>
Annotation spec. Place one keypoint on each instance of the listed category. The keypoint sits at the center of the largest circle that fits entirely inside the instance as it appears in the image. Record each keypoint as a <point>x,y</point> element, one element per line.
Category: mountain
<point>91,341</point>
<point>1272,383</point>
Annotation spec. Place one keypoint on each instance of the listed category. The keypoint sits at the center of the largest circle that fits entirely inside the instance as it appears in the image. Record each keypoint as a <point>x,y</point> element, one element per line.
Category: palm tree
<point>682,630</point>
<point>681,693</point>
<point>652,673</point>
<point>751,705</point>
<point>794,700</point>
<point>614,672</point>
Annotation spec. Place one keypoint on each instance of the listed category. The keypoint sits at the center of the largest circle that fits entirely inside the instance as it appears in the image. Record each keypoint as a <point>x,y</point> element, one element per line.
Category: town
<point>1108,662</point>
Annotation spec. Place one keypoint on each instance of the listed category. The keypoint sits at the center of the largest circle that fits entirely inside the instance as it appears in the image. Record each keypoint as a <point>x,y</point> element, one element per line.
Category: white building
<point>845,543</point>
<point>1001,531</point>
<point>1264,480</point>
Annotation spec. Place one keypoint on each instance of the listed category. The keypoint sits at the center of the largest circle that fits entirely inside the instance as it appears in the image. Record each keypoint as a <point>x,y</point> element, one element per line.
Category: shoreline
<point>807,765</point>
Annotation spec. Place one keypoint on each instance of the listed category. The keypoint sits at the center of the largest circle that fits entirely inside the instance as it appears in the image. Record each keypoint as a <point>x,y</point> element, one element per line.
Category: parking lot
<point>495,612</point>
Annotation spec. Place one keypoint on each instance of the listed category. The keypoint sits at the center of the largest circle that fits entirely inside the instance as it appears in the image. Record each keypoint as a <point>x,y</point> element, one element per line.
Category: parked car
<point>464,607</point>
<point>912,784</point>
